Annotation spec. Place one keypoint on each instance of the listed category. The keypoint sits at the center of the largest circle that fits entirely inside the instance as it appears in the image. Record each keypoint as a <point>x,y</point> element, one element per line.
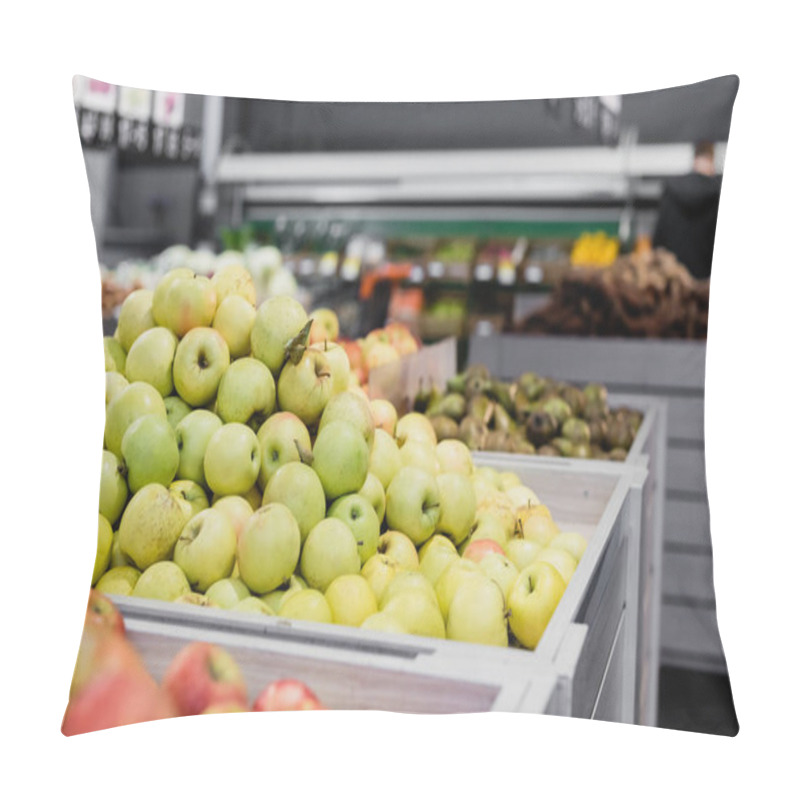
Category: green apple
<point>201,359</point>
<point>115,355</point>
<point>234,320</point>
<point>135,317</point>
<point>163,580</point>
<point>485,491</point>
<point>227,592</point>
<point>384,414</point>
<point>234,280</point>
<point>118,580</point>
<point>341,459</point>
<point>490,475</point>
<point>509,479</point>
<point>489,525</point>
<point>350,407</point>
<point>269,548</point>
<point>161,293</point>
<point>402,582</point>
<point>113,487</point>
<point>282,437</point>
<point>150,451</point>
<point>383,622</point>
<point>379,570</point>
<point>540,529</point>
<point>193,434</point>
<point>236,509</point>
<point>253,605</point>
<point>177,409</point>
<point>192,493</point>
<point>435,556</point>
<point>305,387</point>
<point>477,614</point>
<point>453,455</point>
<point>103,551</point>
<point>278,321</point>
<point>458,505</point>
<point>298,487</point>
<point>325,325</point>
<point>374,492</point>
<point>117,557</point>
<point>194,599</point>
<point>338,362</point>
<point>384,459</point>
<point>330,550</point>
<point>274,598</point>
<point>573,543</point>
<point>359,515</point>
<point>417,614</point>
<point>185,303</point>
<point>306,604</point>
<point>454,575</point>
<point>351,600</point>
<point>532,600</point>
<point>150,359</point>
<point>232,459</point>
<point>522,552</point>
<point>246,393</point>
<point>134,401</point>
<point>419,454</point>
<point>501,570</point>
<point>400,548</point>
<point>151,524</point>
<point>560,559</point>
<point>115,383</point>
<point>206,549</point>
<point>415,426</point>
<point>519,495</point>
<point>413,504</point>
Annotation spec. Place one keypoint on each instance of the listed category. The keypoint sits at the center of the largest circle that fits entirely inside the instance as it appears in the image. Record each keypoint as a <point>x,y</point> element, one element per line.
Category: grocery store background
<point>463,219</point>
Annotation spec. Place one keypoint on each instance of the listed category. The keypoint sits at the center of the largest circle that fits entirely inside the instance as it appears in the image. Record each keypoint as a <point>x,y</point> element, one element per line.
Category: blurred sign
<point>168,109</point>
<point>134,103</point>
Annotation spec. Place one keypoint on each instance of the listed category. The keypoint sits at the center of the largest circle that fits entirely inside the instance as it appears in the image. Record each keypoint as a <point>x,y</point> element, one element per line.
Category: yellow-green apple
<point>184,303</point>
<point>477,614</point>
<point>413,504</point>
<point>532,600</point>
<point>253,605</point>
<point>383,622</point>
<point>150,452</point>
<point>330,550</point>
<point>193,434</point>
<point>287,695</point>
<point>455,574</point>
<point>380,354</point>
<point>358,514</point>
<point>305,387</point>
<point>415,453</point>
<point>177,409</point>
<point>338,363</point>
<point>351,600</point>
<point>416,613</point>
<point>282,438</point>
<point>164,580</point>
<point>324,326</point>
<point>384,414</point>
<point>298,487</point>
<point>400,549</point>
<point>306,604</point>
<point>227,592</point>
<point>374,492</point>
<point>490,475</point>
<point>435,556</point>
<point>115,355</point>
<point>193,599</point>
<point>101,611</point>
<point>454,456</point>
<point>573,543</point>
<point>192,493</point>
<point>509,479</point>
<point>151,524</point>
<point>522,552</point>
<point>278,321</point>
<point>113,487</point>
<point>134,401</point>
<point>234,280</point>
<point>341,459</point>
<point>201,359</point>
<point>478,549</point>
<point>274,598</point>
<point>401,338</point>
<point>226,708</point>
<point>246,393</point>
<point>206,549</point>
<point>489,525</point>
<point>501,570</point>
<point>135,317</point>
<point>541,530</point>
<point>236,509</point>
<point>159,299</point>
<point>115,383</point>
<point>118,580</point>
<point>560,559</point>
<point>203,674</point>
<point>150,359</point>
<point>103,551</point>
<point>485,490</point>
<point>232,459</point>
<point>234,320</point>
<point>415,426</point>
<point>457,506</point>
<point>521,496</point>
<point>384,459</point>
<point>379,570</point>
<point>117,558</point>
<point>402,582</point>
<point>252,495</point>
<point>269,548</point>
<point>349,407</point>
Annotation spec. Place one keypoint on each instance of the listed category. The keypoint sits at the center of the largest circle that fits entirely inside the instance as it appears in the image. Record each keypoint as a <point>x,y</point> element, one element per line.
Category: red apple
<point>101,611</point>
<point>202,675</point>
<point>475,551</point>
<point>287,695</point>
<point>225,708</point>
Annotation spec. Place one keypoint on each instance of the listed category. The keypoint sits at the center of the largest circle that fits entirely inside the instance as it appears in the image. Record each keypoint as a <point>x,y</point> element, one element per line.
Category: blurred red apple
<point>475,551</point>
<point>287,695</point>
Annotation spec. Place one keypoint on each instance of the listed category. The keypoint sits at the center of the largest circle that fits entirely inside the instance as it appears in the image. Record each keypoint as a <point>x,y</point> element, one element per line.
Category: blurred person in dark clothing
<point>687,216</point>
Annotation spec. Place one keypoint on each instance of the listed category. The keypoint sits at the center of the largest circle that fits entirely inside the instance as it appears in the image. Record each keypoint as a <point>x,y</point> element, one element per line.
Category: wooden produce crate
<point>347,668</point>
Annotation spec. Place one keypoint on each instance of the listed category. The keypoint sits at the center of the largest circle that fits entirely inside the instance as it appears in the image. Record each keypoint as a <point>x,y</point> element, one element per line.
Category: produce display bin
<point>583,666</point>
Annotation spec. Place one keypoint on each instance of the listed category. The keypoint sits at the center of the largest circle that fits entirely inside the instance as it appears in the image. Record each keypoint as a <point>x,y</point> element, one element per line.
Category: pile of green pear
<point>532,415</point>
<point>242,471</point>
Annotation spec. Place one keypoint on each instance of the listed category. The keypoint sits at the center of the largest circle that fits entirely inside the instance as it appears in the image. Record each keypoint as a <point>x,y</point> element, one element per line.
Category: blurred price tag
<point>506,274</point>
<point>436,269</point>
<point>534,273</point>
<point>351,268</point>
<point>417,274</point>
<point>328,263</point>
<point>483,272</point>
<point>306,266</point>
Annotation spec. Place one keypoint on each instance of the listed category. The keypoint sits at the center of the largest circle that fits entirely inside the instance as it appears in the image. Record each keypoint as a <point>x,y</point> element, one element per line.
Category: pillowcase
<point>302,493</point>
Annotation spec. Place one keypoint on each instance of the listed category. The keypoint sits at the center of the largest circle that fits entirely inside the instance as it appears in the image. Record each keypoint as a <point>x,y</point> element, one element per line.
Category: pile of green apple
<point>240,470</point>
